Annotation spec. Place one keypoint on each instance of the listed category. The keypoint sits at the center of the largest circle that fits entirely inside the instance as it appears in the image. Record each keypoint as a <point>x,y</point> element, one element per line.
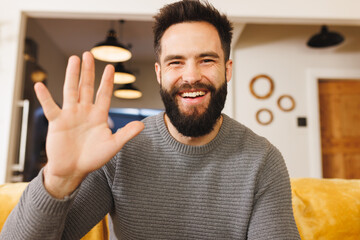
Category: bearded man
<point>190,172</point>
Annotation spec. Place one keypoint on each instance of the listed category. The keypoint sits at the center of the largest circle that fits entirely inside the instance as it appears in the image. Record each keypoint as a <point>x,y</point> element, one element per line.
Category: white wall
<point>280,51</point>
<point>11,32</point>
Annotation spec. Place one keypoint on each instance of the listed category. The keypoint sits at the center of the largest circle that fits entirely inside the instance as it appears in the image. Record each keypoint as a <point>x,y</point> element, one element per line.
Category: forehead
<point>190,38</point>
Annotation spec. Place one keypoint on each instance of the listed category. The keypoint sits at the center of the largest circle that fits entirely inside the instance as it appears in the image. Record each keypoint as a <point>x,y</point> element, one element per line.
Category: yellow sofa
<point>324,209</point>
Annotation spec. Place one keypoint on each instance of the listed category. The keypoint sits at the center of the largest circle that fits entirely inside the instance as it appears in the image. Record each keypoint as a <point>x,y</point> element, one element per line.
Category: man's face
<point>193,75</point>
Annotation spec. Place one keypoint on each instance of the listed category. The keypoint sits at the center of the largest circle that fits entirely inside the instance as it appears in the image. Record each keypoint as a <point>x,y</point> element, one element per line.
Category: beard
<point>195,124</point>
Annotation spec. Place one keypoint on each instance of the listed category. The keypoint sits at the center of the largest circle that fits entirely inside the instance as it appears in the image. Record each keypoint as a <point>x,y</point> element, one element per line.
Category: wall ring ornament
<point>271,89</point>
<point>286,109</point>
<point>264,110</point>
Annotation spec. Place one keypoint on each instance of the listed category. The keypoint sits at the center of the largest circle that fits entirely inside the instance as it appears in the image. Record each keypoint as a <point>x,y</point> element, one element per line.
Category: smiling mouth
<point>194,94</point>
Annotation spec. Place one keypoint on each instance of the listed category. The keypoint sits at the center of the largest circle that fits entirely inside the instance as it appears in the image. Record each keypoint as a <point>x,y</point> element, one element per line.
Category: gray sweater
<point>235,187</point>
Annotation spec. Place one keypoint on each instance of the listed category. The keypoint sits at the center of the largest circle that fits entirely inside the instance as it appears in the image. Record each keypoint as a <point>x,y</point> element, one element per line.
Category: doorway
<point>339,112</point>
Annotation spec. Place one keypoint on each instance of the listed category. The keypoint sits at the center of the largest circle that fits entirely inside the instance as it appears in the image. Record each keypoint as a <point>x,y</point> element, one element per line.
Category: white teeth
<point>193,94</point>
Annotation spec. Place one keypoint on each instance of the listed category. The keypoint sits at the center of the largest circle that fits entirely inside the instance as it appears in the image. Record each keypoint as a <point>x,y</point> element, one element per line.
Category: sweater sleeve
<point>272,216</point>
<point>40,216</point>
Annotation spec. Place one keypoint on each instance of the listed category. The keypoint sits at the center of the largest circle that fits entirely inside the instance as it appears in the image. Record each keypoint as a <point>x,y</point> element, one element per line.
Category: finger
<point>51,109</point>
<point>71,95</point>
<point>126,133</point>
<point>104,93</point>
<point>87,77</point>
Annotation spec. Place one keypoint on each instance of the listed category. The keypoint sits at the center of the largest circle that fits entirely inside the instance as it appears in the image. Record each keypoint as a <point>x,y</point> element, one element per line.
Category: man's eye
<point>174,63</point>
<point>208,60</point>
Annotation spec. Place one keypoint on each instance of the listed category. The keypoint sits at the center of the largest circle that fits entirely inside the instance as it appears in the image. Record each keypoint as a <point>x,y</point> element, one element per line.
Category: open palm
<point>79,140</point>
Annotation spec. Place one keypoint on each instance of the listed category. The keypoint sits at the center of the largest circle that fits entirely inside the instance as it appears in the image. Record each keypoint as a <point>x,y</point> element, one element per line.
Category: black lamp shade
<point>111,50</point>
<point>325,39</point>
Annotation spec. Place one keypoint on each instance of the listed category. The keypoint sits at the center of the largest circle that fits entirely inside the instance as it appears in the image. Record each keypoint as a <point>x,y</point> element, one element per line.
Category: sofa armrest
<point>10,194</point>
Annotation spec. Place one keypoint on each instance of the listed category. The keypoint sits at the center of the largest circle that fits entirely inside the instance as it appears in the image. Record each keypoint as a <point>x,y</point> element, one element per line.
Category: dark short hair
<point>192,11</point>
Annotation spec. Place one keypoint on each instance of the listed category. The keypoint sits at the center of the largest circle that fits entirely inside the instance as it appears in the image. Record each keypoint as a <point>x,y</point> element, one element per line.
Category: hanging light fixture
<point>128,91</point>
<point>37,74</point>
<point>122,75</point>
<point>111,50</point>
<point>325,39</point>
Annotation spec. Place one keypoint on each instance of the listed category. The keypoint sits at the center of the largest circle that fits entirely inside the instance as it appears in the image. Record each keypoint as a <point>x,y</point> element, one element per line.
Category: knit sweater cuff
<point>43,201</point>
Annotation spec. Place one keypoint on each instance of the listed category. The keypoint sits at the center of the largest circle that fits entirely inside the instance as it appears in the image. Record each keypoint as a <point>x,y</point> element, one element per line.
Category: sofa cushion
<point>327,209</point>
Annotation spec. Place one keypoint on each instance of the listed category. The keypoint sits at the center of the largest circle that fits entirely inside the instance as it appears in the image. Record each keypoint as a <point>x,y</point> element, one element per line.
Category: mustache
<point>193,87</point>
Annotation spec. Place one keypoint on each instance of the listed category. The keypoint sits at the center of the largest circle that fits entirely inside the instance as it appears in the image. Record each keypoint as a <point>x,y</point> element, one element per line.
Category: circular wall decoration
<point>281,104</point>
<point>268,93</point>
<point>264,116</point>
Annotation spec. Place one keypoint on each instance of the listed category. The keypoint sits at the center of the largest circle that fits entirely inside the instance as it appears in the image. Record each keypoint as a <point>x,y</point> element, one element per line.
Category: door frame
<point>314,136</point>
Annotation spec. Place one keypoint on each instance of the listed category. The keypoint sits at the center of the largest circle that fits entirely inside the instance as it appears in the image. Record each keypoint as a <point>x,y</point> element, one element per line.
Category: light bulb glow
<point>123,78</point>
<point>111,53</point>
<point>127,94</point>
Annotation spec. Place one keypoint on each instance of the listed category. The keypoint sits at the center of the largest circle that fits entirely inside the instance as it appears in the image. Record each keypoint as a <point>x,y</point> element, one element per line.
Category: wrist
<point>60,187</point>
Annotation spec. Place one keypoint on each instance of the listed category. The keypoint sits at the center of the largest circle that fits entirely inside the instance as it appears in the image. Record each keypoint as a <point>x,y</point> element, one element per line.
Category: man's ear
<point>158,72</point>
<point>228,69</point>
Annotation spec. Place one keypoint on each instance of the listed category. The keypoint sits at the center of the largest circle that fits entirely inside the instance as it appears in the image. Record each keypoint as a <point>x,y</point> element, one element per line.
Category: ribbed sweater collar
<point>194,150</point>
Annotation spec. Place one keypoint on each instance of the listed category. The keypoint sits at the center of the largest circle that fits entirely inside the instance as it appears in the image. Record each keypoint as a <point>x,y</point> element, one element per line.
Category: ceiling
<point>74,36</point>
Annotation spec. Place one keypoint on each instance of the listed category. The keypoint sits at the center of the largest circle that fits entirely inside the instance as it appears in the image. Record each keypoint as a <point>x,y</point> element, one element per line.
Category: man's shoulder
<point>149,133</point>
<point>237,127</point>
<point>152,124</point>
<point>247,137</point>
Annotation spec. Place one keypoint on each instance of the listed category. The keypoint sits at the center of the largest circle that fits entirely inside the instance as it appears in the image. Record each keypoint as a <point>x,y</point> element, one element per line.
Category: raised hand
<point>79,140</point>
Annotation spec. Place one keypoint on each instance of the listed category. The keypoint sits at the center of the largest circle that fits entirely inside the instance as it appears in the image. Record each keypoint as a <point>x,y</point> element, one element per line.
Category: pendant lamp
<point>128,91</point>
<point>325,39</point>
<point>122,75</point>
<point>37,74</point>
<point>111,50</point>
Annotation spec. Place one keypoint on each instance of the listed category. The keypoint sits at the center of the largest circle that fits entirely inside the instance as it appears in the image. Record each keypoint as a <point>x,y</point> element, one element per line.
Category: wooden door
<point>340,128</point>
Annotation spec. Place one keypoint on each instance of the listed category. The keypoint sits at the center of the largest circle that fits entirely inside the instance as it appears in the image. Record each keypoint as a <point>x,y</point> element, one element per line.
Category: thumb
<point>129,131</point>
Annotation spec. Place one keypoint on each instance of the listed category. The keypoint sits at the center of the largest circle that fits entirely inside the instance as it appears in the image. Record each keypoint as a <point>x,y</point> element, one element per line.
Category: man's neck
<point>193,141</point>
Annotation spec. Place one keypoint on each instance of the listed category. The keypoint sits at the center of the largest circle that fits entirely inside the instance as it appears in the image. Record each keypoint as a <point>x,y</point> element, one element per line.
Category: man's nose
<point>192,73</point>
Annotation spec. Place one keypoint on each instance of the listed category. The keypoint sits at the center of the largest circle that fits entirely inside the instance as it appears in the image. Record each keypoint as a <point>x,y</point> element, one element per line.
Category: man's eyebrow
<point>209,54</point>
<point>173,57</point>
